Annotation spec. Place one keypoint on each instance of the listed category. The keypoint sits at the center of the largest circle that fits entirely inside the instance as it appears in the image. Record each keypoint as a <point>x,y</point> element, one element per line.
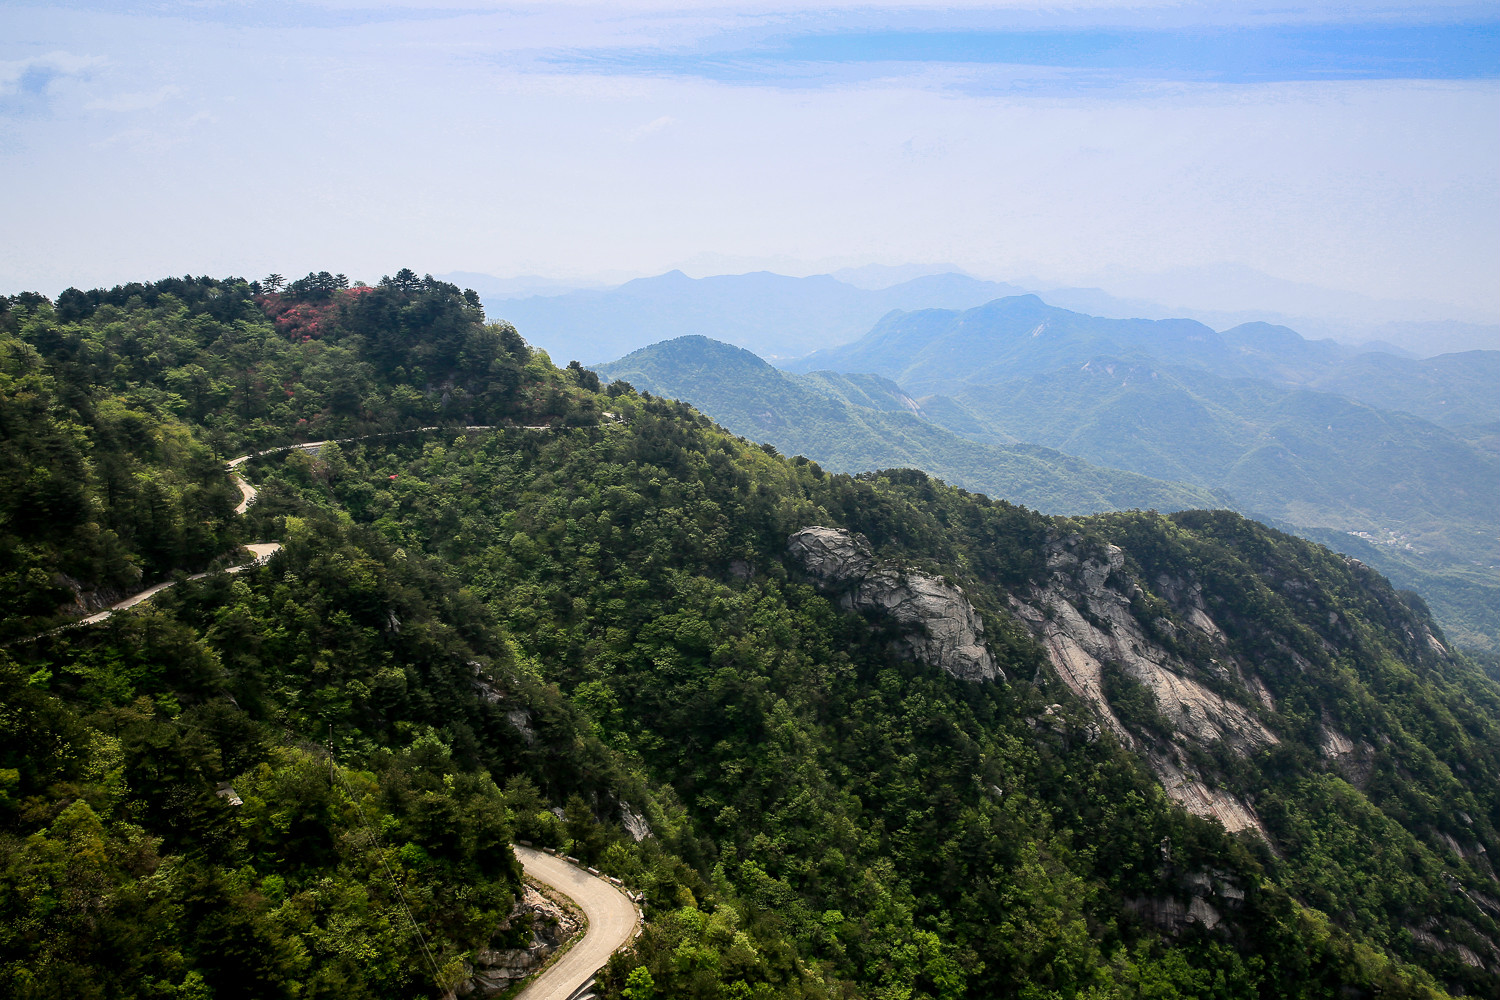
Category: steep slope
<point>1301,456</point>
<point>1309,459</point>
<point>1167,399</point>
<point>1252,674</point>
<point>964,750</point>
<point>858,423</point>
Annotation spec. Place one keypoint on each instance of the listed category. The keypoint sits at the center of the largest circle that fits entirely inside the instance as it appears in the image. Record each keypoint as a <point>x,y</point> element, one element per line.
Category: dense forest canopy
<point>588,607</point>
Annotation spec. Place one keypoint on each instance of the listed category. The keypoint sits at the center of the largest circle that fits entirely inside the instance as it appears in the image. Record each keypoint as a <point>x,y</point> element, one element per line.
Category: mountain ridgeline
<point>772,314</point>
<point>1393,456</point>
<point>857,423</point>
<point>850,736</point>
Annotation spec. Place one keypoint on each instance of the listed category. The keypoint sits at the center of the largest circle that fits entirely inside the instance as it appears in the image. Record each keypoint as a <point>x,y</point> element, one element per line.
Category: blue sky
<point>1093,55</point>
<point>1349,146</point>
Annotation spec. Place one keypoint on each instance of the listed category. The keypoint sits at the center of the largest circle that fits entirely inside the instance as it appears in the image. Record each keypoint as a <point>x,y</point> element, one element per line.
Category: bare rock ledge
<point>938,624</point>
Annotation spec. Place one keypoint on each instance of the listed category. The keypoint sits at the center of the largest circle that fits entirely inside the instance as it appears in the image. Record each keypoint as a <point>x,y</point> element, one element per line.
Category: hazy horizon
<point>1362,323</point>
<point>1150,150</point>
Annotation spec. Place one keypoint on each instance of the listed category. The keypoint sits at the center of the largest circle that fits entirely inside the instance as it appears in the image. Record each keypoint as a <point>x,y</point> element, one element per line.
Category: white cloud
<point>137,101</point>
<point>650,128</point>
<point>430,144</point>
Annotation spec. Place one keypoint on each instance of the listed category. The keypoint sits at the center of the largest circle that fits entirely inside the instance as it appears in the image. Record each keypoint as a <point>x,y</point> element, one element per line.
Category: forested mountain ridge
<point>1396,451</point>
<point>605,615</point>
<point>1310,459</point>
<point>1302,456</point>
<point>121,405</point>
<point>859,423</point>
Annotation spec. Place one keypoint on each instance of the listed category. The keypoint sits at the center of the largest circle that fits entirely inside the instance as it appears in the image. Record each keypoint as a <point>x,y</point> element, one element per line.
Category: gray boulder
<point>495,970</point>
<point>832,556</point>
<point>938,624</point>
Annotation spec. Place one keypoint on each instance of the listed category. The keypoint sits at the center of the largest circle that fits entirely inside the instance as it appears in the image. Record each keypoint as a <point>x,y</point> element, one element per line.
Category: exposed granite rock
<point>832,556</point>
<point>635,824</point>
<point>1172,915</point>
<point>495,970</point>
<point>1203,912</point>
<point>491,692</point>
<point>1084,621</point>
<point>1187,597</point>
<point>520,720</point>
<point>938,624</point>
<point>87,600</point>
<point>1169,913</point>
<point>1333,743</point>
<point>1424,937</point>
<point>1162,912</point>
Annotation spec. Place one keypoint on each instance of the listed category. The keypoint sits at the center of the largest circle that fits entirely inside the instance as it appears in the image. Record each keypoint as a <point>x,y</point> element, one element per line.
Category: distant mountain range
<point>771,314</point>
<point>778,317</point>
<point>1022,335</point>
<point>1305,434</point>
<point>853,423</point>
<point>1400,458</point>
<point>1226,295</point>
<point>934,350</point>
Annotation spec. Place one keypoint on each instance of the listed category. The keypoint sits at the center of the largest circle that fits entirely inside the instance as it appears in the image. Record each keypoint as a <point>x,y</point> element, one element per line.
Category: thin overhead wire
<point>337,772</point>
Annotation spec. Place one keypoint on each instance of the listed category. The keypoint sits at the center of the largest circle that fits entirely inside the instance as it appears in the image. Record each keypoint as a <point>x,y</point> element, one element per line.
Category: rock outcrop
<point>495,970</point>
<point>1083,619</point>
<point>87,600</point>
<point>635,824</point>
<point>938,624</point>
<point>1199,897</point>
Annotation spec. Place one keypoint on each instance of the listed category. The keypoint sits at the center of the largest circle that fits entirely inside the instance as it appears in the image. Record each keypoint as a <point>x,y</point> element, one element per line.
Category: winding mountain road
<point>261,551</point>
<point>612,921</point>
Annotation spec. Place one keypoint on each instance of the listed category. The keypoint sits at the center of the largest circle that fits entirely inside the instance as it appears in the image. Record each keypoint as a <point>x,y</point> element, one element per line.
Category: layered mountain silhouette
<point>1395,454</point>
<point>858,423</point>
<point>772,314</point>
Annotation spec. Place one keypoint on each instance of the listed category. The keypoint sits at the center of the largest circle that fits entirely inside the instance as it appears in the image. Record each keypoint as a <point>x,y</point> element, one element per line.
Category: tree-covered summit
<point>543,629</point>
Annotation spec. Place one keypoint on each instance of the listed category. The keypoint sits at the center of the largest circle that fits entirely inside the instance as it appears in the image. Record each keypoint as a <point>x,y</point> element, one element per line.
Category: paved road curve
<point>261,551</point>
<point>612,923</point>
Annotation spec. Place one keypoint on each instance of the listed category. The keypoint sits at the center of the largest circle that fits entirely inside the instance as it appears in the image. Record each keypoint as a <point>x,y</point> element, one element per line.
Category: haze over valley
<point>1390,455</point>
<point>938,500</point>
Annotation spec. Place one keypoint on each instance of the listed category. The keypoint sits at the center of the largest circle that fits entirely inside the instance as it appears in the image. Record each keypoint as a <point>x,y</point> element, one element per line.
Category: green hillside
<point>859,423</point>
<point>1301,432</point>
<point>1306,458</point>
<point>1302,456</point>
<point>1451,390</point>
<point>1204,759</point>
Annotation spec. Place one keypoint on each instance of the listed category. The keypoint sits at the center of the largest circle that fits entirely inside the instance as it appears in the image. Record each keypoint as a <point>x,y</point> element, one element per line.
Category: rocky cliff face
<point>938,624</point>
<point>496,970</point>
<point>1084,621</point>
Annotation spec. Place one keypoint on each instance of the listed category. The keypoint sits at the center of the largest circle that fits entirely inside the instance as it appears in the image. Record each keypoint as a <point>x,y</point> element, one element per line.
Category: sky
<point>1353,147</point>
